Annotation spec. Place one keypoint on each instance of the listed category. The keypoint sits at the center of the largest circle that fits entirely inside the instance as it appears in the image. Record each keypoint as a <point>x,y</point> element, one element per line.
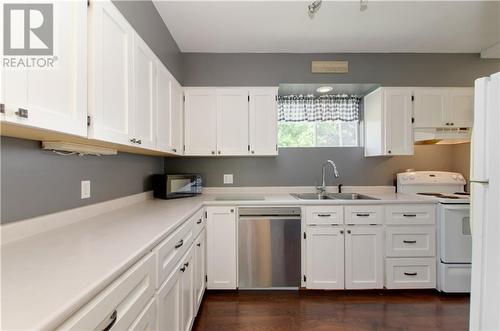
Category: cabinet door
<point>200,268</point>
<point>200,121</point>
<point>263,117</point>
<point>187,289</point>
<point>176,118</point>
<point>364,257</point>
<point>460,112</point>
<point>164,108</point>
<point>147,319</point>
<point>430,106</point>
<point>232,122</point>
<point>398,126</point>
<point>169,299</point>
<point>325,257</point>
<point>144,94</point>
<point>221,248</point>
<point>54,98</point>
<point>110,74</point>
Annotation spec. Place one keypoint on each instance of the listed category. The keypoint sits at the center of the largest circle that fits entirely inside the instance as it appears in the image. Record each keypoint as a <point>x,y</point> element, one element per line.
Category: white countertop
<point>49,276</point>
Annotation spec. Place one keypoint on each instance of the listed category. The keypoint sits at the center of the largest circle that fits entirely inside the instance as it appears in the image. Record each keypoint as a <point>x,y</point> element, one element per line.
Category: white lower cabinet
<point>169,301</point>
<point>187,292</point>
<point>221,248</point>
<point>364,257</point>
<point>147,319</point>
<point>325,257</point>
<point>199,269</point>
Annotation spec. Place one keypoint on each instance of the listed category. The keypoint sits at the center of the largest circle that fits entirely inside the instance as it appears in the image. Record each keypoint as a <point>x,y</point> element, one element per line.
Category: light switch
<point>228,178</point>
<point>85,189</point>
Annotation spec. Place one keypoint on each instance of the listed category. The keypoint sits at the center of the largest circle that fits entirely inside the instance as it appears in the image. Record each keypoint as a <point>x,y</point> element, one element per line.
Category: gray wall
<point>206,69</point>
<point>146,20</point>
<point>302,166</point>
<point>36,182</point>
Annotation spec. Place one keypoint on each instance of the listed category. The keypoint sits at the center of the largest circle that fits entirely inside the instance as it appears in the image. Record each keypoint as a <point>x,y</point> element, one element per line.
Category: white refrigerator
<point>485,206</point>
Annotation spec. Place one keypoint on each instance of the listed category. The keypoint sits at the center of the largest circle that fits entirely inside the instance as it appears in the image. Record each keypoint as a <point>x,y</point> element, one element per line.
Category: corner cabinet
<point>53,99</point>
<point>230,121</point>
<point>388,122</point>
<point>221,248</point>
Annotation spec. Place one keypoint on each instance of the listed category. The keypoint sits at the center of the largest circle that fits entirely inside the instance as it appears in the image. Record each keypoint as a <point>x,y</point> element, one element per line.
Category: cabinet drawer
<point>410,214</point>
<point>147,318</point>
<point>410,273</point>
<point>120,303</point>
<point>199,222</point>
<point>403,241</point>
<point>363,214</point>
<point>172,249</point>
<point>325,215</point>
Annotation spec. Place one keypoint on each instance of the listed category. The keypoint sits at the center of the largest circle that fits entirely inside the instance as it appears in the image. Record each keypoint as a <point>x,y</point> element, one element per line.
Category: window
<point>318,134</point>
<point>318,121</point>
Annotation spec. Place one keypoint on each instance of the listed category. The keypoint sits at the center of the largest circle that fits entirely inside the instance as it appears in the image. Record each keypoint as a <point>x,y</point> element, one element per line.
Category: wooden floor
<point>333,310</point>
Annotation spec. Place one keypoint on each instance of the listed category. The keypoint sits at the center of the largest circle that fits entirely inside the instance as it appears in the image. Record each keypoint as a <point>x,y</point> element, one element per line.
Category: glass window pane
<point>317,134</point>
<point>296,134</point>
<point>328,134</point>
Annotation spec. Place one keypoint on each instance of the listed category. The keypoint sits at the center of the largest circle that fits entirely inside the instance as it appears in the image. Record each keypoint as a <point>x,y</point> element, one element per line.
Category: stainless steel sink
<point>332,196</point>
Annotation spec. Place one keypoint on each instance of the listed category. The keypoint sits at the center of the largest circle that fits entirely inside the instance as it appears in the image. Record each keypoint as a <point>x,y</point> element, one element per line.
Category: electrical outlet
<point>85,189</point>
<point>228,178</point>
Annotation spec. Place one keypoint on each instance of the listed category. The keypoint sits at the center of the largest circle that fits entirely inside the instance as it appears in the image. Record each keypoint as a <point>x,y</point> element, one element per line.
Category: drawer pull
<point>183,269</point>
<point>112,321</point>
<point>186,264</point>
<point>198,245</point>
<point>324,215</point>
<point>410,215</point>
<point>180,243</point>
<point>21,112</point>
<point>410,273</point>
<point>410,241</point>
<point>198,221</point>
<point>362,215</point>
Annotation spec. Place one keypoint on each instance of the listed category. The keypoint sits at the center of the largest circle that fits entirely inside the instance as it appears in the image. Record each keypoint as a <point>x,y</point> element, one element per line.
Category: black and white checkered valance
<point>300,108</point>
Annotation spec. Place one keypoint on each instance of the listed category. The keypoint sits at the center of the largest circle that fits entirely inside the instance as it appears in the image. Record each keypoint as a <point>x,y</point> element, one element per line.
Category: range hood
<point>443,136</point>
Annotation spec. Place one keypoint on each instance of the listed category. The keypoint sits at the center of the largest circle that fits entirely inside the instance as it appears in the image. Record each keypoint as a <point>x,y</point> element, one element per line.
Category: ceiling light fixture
<point>314,7</point>
<point>324,89</point>
<point>363,5</point>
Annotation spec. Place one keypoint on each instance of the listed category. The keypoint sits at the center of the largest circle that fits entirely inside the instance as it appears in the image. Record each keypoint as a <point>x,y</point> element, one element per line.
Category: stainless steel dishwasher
<point>269,247</point>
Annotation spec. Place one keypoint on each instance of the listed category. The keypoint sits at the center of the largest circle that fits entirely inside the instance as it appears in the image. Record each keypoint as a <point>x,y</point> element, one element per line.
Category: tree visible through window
<point>317,134</point>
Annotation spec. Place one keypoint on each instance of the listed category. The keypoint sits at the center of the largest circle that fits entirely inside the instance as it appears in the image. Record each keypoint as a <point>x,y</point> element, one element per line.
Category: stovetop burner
<point>439,195</point>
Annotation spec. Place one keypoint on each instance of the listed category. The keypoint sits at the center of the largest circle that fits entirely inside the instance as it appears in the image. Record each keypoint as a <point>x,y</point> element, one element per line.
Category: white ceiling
<point>284,26</point>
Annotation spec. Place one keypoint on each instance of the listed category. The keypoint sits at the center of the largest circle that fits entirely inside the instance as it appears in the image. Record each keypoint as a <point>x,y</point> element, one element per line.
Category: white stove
<point>454,240</point>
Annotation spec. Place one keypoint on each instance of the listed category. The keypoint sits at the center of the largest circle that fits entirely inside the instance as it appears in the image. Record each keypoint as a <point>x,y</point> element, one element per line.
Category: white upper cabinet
<point>144,129</point>
<point>430,107</point>
<point>54,99</point>
<point>263,119</point>
<point>364,257</point>
<point>388,122</point>
<point>245,121</point>
<point>176,119</point>
<point>232,122</point>
<point>436,107</point>
<point>200,121</point>
<point>460,112</point>
<point>163,109</point>
<point>111,74</point>
<point>325,257</point>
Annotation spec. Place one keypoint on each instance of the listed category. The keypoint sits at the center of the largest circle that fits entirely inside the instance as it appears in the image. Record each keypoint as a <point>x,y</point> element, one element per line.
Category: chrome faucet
<point>322,189</point>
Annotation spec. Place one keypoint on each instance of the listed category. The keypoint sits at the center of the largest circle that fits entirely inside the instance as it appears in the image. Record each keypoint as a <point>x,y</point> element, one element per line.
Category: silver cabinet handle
<point>186,264</point>
<point>410,273</point>
<point>198,245</point>
<point>410,215</point>
<point>324,215</point>
<point>179,244</point>
<point>183,269</point>
<point>2,108</point>
<point>410,241</point>
<point>198,221</point>
<point>133,140</point>
<point>362,215</point>
<point>112,321</point>
<point>21,112</point>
